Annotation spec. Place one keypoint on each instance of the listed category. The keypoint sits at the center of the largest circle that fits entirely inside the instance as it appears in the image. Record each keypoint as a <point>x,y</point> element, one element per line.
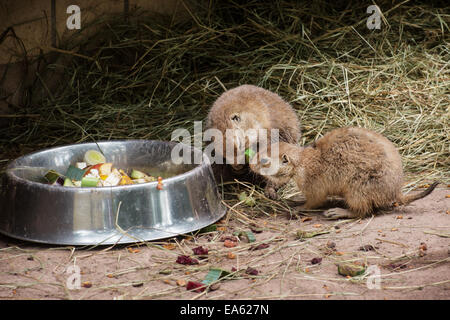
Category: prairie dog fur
<point>359,165</point>
<point>250,107</point>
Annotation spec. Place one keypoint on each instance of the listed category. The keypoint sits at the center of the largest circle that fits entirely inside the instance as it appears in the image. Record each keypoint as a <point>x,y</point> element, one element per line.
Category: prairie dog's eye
<point>235,117</point>
<point>285,159</point>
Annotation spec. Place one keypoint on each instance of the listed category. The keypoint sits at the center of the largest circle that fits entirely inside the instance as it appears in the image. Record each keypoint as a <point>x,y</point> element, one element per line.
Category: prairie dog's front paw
<point>271,193</point>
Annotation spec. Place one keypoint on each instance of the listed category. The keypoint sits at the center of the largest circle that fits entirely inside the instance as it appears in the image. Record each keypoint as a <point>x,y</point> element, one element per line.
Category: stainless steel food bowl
<point>35,211</point>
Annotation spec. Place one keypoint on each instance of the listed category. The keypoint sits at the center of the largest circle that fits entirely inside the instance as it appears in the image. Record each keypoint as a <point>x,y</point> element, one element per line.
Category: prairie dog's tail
<point>407,199</point>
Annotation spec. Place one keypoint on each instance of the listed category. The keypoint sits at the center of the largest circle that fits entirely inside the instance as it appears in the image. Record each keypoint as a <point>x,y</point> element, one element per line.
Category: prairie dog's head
<point>238,113</point>
<point>277,163</point>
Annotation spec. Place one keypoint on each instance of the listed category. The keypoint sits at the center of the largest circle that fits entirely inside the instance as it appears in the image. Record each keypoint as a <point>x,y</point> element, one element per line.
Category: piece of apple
<point>105,168</point>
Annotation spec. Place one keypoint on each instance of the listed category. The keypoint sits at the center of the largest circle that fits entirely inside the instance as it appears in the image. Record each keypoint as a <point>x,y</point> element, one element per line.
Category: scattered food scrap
<point>186,260</point>
<point>351,269</point>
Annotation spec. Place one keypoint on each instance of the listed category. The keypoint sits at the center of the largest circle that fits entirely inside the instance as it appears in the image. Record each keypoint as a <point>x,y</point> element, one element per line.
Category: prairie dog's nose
<point>265,161</point>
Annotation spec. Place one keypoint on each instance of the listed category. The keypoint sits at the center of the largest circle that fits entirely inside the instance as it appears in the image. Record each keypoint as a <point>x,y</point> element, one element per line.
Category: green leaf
<point>215,274</point>
<point>248,235</point>
<point>210,228</point>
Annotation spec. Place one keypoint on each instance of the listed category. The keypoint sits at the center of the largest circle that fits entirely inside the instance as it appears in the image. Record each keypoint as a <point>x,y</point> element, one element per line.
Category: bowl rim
<point>10,168</point>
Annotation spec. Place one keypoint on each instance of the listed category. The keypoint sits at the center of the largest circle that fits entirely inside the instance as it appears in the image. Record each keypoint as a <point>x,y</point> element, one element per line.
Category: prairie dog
<point>359,165</point>
<point>251,107</point>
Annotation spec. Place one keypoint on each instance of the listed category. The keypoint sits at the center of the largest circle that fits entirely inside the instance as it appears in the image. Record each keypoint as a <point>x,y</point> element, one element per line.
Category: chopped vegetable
<point>74,173</point>
<point>136,174</point>
<point>52,176</point>
<point>350,269</point>
<point>200,251</point>
<point>249,153</point>
<point>195,286</point>
<point>89,181</point>
<point>68,183</point>
<point>101,174</point>
<point>248,200</point>
<point>210,228</point>
<point>247,236</point>
<point>215,274</point>
<point>251,271</point>
<point>186,260</point>
<point>59,181</point>
<point>92,157</point>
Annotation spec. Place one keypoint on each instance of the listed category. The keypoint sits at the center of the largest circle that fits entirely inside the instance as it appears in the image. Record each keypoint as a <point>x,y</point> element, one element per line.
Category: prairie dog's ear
<point>285,159</point>
<point>235,117</point>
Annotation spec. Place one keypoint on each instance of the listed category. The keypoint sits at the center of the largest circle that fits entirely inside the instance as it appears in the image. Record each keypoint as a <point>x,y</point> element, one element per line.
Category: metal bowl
<point>39,212</point>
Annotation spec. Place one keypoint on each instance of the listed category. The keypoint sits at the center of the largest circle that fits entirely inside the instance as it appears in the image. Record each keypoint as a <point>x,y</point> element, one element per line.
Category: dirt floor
<point>409,247</point>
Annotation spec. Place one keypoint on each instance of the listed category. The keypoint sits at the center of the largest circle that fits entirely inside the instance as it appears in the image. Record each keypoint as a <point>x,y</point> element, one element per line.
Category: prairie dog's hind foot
<point>339,213</point>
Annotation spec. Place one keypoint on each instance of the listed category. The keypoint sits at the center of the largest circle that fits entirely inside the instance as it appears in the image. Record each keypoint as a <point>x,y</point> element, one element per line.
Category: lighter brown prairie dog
<point>251,107</point>
<point>359,165</point>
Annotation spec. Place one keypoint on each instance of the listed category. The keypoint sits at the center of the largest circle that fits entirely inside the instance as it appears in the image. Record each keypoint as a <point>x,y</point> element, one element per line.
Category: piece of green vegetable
<point>89,181</point>
<point>92,157</point>
<point>136,174</point>
<point>247,235</point>
<point>74,173</point>
<point>248,200</point>
<point>68,183</point>
<point>215,274</point>
<point>52,176</point>
<point>350,269</point>
<point>249,153</point>
<point>210,228</point>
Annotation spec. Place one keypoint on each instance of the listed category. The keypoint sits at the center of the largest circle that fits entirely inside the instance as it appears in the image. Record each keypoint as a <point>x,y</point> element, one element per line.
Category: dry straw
<point>147,77</point>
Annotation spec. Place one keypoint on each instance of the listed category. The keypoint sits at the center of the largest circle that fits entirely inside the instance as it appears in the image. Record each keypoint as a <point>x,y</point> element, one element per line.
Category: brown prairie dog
<point>359,165</point>
<point>251,107</point>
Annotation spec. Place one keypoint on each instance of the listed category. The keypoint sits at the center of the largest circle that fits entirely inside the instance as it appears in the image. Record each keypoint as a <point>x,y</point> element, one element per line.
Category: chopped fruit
<point>231,255</point>
<point>125,180</point>
<point>98,173</point>
<point>229,244</point>
<point>105,168</point>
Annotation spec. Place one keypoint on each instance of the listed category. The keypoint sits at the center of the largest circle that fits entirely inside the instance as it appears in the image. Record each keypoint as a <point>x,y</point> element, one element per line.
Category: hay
<point>145,78</point>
